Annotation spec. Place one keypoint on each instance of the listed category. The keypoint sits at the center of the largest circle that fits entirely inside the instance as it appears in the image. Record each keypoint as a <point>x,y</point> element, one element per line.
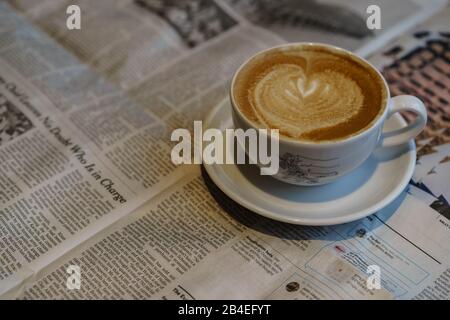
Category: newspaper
<point>86,178</point>
<point>337,22</point>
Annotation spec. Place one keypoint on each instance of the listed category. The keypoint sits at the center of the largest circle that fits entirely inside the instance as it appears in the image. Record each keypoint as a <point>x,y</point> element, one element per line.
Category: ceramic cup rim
<point>381,116</point>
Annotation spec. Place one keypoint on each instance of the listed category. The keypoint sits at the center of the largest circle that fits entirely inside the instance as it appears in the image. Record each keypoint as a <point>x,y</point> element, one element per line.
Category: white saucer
<point>367,189</point>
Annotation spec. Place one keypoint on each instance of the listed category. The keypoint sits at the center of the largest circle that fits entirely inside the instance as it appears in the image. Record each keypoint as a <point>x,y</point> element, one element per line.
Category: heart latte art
<point>288,99</point>
<point>308,94</point>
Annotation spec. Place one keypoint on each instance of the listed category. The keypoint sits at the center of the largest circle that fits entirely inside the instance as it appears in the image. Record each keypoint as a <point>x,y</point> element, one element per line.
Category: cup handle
<point>400,136</point>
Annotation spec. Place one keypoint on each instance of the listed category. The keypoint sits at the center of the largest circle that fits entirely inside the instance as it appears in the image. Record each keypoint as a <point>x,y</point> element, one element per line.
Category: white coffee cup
<point>315,163</point>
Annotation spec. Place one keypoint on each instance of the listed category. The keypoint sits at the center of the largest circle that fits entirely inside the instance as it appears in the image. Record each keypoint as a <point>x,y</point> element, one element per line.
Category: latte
<point>309,93</point>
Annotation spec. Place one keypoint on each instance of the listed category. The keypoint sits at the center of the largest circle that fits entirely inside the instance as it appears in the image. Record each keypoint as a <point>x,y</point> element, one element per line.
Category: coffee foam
<point>309,93</point>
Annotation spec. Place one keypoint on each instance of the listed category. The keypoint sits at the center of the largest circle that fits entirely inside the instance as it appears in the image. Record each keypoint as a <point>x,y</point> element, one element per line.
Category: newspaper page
<point>419,64</point>
<point>57,187</point>
<point>337,22</point>
<point>76,153</point>
<point>184,245</point>
<point>186,240</point>
<point>141,36</point>
<point>125,53</point>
